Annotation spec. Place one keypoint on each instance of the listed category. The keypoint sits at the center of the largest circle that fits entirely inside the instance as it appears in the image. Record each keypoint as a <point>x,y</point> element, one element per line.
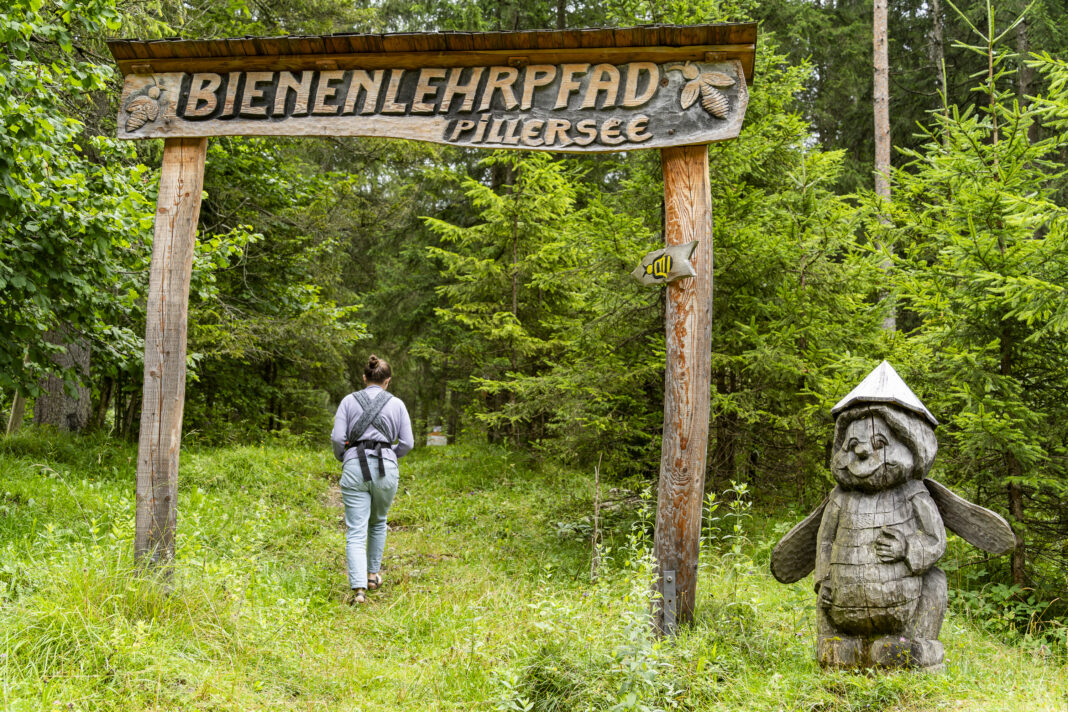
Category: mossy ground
<point>487,604</point>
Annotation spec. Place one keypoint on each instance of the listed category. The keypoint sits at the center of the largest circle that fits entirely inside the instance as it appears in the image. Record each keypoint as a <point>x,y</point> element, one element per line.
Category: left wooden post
<point>177,212</point>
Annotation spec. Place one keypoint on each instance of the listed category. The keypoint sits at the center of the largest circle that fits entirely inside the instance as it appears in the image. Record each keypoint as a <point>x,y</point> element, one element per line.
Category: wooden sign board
<point>584,90</point>
<point>572,106</point>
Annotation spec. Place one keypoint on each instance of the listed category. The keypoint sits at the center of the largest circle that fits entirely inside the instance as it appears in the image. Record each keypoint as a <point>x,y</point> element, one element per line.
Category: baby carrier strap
<point>374,406</point>
<point>370,415</point>
<point>372,410</point>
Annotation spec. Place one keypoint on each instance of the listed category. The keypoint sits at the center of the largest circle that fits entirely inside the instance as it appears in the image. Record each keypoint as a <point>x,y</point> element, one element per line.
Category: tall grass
<point>487,602</point>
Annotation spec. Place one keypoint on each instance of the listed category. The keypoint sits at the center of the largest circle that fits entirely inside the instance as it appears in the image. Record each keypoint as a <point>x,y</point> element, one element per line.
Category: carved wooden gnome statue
<point>875,540</point>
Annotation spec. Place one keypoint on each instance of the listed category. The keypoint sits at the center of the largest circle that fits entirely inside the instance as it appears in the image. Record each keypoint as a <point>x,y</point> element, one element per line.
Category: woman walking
<point>372,431</point>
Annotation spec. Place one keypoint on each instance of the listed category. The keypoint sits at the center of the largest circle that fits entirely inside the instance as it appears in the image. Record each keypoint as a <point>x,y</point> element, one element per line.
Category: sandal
<point>358,597</point>
<point>373,584</point>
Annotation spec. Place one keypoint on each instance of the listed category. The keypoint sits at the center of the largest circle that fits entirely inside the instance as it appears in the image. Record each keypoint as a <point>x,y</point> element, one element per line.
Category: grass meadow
<point>488,602</point>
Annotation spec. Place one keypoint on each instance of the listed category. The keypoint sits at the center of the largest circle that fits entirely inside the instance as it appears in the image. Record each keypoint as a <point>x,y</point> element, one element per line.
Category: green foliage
<point>483,604</point>
<point>792,296</point>
<point>538,292</point>
<point>499,286</point>
<point>836,37</point>
<point>273,323</point>
<point>984,263</point>
<point>74,218</point>
<point>499,267</point>
<point>572,352</point>
<point>728,528</point>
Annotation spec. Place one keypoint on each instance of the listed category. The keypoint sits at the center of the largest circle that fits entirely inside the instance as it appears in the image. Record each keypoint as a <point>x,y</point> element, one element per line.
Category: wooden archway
<point>667,87</point>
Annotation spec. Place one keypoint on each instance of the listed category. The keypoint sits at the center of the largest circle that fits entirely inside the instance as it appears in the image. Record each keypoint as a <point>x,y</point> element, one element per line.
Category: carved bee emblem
<point>706,86</point>
<point>660,267</point>
<point>144,106</point>
<point>666,265</point>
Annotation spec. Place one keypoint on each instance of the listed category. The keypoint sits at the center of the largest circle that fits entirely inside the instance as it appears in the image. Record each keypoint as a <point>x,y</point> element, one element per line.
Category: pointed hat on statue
<point>883,385</point>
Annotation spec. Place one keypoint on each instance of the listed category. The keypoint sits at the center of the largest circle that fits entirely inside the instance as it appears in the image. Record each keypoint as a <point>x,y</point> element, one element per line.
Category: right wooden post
<point>687,382</point>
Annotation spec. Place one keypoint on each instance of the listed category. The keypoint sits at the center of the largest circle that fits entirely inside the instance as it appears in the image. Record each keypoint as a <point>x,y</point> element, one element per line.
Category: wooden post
<point>177,211</point>
<point>687,380</point>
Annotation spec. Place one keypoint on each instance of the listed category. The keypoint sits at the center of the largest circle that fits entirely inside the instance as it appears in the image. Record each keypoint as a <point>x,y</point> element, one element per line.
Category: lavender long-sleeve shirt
<point>394,417</point>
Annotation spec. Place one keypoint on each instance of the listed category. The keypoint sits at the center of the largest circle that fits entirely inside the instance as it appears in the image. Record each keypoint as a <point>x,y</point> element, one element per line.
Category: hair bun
<point>377,370</point>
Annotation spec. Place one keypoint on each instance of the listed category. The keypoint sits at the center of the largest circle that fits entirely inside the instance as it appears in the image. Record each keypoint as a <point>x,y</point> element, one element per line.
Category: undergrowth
<point>488,602</point>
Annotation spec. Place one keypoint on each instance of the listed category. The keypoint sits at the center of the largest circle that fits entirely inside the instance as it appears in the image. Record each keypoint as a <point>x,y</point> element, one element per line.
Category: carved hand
<point>890,546</point>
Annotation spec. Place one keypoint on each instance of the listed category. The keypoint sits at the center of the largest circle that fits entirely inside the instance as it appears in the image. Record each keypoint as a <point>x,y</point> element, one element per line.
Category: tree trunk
<point>17,414</point>
<point>1016,509</point>
<point>177,212</point>
<point>725,441</point>
<point>452,427</point>
<point>270,373</point>
<point>561,14</point>
<point>1025,75</point>
<point>881,100</point>
<point>687,386</point>
<point>131,415</point>
<point>101,412</point>
<point>55,407</point>
<point>514,188</point>
<point>127,407</point>
<point>452,409</point>
<point>1013,466</point>
<point>938,47</point>
<point>881,97</point>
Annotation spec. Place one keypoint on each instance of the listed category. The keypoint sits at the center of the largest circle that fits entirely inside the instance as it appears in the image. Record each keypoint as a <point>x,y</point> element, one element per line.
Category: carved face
<point>871,457</point>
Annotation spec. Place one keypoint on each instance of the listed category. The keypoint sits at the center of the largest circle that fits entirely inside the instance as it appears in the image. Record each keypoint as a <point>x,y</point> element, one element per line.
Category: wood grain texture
<point>687,376</point>
<point>880,599</point>
<point>884,385</point>
<point>16,414</point>
<point>177,212</point>
<point>794,557</point>
<point>416,60</point>
<point>571,107</point>
<point>977,525</point>
<point>881,99</point>
<point>875,541</point>
<point>663,35</point>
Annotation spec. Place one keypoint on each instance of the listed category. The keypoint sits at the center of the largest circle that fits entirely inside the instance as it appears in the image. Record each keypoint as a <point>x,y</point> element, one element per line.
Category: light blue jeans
<point>366,506</point>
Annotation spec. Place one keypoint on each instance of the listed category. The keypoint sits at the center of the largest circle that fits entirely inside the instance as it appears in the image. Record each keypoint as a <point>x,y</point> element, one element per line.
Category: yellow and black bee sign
<point>660,268</point>
<point>666,265</point>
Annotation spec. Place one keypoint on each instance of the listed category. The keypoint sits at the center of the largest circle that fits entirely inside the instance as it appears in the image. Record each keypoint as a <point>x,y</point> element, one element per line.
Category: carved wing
<point>976,525</point>
<point>794,557</point>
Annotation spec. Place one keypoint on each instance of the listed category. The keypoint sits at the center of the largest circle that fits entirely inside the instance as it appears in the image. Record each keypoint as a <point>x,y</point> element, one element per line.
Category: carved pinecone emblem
<point>705,85</point>
<point>143,107</point>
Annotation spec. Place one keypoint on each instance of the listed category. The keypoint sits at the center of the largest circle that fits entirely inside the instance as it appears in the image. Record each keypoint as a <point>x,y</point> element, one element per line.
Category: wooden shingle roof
<point>734,41</point>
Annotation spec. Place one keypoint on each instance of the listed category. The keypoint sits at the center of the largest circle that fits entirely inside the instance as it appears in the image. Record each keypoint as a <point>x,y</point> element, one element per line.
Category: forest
<point>498,286</point>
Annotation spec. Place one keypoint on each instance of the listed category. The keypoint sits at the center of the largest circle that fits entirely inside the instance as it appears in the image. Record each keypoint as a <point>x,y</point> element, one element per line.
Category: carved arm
<point>825,539</point>
<point>926,546</point>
